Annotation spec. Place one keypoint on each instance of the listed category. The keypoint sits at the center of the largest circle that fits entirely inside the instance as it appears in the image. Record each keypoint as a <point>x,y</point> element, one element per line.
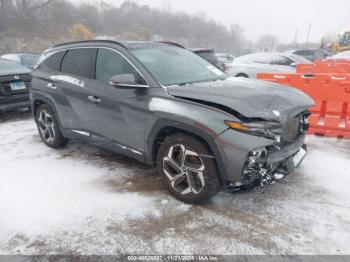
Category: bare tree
<point>49,21</point>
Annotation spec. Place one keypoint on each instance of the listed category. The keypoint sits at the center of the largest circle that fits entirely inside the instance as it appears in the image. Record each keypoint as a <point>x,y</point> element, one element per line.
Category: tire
<point>193,186</point>
<point>48,127</point>
<point>242,75</point>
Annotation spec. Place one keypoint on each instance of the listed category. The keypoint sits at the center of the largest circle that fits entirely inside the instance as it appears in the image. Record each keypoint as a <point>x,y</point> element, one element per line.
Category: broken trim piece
<point>223,108</point>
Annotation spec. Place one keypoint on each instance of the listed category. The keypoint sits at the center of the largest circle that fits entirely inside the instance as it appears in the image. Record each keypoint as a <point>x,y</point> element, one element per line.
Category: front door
<point>117,113</point>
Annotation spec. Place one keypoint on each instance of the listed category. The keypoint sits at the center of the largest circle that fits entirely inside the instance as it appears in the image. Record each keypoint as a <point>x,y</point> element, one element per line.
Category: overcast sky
<point>278,17</point>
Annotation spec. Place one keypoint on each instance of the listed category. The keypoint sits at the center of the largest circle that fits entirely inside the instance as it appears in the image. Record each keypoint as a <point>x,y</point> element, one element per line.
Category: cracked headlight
<point>266,129</point>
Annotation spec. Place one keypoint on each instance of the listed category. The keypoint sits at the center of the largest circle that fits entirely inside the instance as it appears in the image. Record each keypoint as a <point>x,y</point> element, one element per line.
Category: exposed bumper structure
<point>14,101</point>
<point>251,158</point>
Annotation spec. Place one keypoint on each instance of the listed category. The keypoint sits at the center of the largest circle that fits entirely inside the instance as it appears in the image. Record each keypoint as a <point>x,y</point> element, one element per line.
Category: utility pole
<point>296,37</point>
<point>308,33</point>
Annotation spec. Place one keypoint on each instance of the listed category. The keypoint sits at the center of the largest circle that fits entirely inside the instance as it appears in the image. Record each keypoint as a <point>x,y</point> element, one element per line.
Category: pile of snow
<point>72,201</point>
<point>43,193</point>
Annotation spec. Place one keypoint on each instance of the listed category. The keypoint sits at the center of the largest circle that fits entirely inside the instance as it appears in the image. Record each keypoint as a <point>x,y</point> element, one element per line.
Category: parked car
<point>225,59</point>
<point>341,55</point>
<point>167,107</point>
<point>14,85</point>
<point>250,65</point>
<point>209,55</point>
<point>27,59</point>
<point>311,54</point>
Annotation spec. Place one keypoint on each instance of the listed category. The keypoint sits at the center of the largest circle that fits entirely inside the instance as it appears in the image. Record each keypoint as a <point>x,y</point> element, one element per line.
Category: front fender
<point>200,120</point>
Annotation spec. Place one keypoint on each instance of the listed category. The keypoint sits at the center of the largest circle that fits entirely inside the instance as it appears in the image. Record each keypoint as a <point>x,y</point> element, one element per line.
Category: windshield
<point>29,59</point>
<point>300,59</point>
<point>175,66</point>
<point>10,67</point>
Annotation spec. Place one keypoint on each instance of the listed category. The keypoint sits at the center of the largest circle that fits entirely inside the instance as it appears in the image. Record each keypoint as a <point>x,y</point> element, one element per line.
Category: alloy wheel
<point>46,126</point>
<point>185,170</point>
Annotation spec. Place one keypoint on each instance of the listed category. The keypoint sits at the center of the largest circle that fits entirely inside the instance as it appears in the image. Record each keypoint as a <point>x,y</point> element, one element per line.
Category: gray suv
<point>167,107</point>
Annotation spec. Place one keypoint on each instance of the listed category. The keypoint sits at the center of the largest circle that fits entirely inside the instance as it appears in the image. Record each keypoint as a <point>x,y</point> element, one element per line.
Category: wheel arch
<point>242,75</point>
<point>164,128</point>
<point>40,100</point>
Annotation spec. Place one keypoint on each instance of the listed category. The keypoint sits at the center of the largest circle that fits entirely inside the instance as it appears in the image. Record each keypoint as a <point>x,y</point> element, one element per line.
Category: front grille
<point>291,130</point>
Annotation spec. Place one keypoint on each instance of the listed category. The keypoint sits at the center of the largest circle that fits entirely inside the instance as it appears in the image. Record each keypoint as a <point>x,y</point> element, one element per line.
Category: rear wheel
<point>188,169</point>
<point>48,127</point>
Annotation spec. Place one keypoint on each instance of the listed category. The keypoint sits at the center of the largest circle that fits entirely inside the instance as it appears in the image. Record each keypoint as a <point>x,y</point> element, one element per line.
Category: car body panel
<point>341,55</point>
<point>11,72</point>
<point>27,59</point>
<point>250,98</point>
<point>130,120</point>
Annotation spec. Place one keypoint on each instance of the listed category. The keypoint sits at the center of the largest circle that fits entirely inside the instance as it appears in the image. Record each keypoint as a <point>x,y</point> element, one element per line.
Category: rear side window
<point>80,62</point>
<point>53,62</point>
<point>282,60</point>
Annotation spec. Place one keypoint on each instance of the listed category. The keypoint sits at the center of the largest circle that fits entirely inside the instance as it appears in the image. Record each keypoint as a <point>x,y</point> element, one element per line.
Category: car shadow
<point>15,115</point>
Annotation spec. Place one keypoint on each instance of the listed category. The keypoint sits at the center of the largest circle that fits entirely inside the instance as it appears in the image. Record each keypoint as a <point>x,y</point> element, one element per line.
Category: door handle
<point>51,86</point>
<point>95,99</point>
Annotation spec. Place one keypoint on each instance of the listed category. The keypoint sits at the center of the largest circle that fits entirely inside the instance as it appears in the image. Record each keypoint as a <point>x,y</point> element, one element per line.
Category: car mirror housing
<point>127,80</point>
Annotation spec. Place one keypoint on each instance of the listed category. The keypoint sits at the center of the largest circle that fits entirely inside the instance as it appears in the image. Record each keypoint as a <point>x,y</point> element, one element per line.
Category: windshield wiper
<point>199,81</point>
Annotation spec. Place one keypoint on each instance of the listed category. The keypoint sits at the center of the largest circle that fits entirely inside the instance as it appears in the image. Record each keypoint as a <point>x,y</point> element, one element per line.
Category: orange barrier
<point>325,66</point>
<point>331,113</point>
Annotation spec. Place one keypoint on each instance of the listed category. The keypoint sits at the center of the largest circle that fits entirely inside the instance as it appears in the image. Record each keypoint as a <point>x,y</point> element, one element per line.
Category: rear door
<point>75,79</point>
<point>46,85</point>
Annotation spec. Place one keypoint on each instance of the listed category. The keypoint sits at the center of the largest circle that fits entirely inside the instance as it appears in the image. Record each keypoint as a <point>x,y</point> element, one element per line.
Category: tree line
<point>37,24</point>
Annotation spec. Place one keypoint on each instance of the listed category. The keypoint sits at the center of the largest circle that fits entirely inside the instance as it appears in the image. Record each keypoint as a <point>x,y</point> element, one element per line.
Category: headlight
<point>266,129</point>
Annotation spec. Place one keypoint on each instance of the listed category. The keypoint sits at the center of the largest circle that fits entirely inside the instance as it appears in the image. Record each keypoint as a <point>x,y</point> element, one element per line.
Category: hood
<point>13,73</point>
<point>249,97</point>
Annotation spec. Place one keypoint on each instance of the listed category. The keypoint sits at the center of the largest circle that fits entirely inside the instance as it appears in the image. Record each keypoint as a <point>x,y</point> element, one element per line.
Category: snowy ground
<point>83,200</point>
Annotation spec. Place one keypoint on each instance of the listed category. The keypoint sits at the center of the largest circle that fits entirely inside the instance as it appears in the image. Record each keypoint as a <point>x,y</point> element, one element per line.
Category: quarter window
<point>53,62</point>
<point>80,62</point>
<point>110,63</point>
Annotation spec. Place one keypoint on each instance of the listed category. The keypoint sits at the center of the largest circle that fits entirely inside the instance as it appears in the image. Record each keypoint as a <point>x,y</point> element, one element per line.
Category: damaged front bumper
<point>268,164</point>
<point>246,159</point>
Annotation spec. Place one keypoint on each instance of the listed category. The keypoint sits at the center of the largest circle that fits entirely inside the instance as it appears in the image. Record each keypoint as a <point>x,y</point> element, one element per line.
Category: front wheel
<point>48,127</point>
<point>188,169</point>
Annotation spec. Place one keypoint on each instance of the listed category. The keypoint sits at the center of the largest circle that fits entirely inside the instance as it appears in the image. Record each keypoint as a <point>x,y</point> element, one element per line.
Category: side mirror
<point>126,80</point>
<point>293,64</point>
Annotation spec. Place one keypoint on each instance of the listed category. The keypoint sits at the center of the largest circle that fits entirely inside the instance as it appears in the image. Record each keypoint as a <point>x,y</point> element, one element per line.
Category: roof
<point>126,44</point>
<point>201,50</point>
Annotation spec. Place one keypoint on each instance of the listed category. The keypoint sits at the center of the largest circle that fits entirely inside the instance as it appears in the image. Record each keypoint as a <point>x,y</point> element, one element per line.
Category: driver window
<point>110,63</point>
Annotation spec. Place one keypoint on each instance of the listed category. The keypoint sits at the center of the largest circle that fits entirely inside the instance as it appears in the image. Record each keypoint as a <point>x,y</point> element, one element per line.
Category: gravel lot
<point>84,200</point>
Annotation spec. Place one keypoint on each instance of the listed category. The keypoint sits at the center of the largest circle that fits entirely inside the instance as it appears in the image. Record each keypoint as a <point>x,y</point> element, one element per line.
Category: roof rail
<point>171,43</point>
<point>89,41</point>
